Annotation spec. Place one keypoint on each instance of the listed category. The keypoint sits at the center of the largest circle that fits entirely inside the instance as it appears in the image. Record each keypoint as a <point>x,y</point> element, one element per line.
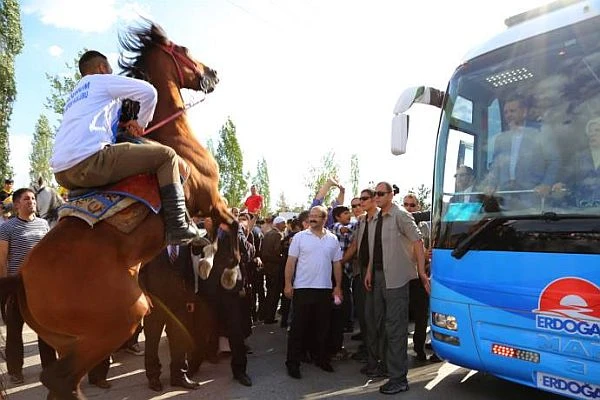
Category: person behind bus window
<point>519,160</point>
<point>465,179</point>
<point>586,168</point>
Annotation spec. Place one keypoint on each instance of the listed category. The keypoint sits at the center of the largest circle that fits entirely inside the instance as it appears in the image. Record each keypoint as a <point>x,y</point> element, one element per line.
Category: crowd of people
<point>323,273</point>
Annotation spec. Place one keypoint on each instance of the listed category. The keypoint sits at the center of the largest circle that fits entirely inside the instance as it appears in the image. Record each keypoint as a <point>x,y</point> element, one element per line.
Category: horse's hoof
<point>59,389</point>
<point>229,278</point>
<point>204,268</point>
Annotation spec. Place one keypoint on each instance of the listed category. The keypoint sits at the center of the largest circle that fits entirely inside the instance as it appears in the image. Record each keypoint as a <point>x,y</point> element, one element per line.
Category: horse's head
<point>144,43</point>
<point>192,74</point>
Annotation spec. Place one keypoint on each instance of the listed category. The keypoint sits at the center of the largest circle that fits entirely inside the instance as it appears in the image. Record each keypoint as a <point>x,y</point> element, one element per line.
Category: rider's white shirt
<point>91,114</point>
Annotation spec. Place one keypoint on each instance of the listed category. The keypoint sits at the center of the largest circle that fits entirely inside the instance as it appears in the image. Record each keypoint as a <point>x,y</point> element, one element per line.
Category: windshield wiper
<point>463,247</point>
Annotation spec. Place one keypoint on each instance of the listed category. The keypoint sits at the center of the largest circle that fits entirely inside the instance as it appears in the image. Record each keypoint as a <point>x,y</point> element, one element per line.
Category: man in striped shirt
<point>18,236</point>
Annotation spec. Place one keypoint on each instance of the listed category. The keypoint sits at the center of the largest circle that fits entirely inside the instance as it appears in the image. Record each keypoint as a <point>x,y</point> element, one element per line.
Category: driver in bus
<point>519,161</point>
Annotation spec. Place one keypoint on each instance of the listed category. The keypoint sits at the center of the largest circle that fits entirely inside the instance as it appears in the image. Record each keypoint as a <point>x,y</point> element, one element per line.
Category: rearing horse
<point>78,287</point>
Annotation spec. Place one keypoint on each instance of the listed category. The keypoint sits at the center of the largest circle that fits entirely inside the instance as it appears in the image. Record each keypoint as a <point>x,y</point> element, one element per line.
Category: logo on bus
<point>570,305</point>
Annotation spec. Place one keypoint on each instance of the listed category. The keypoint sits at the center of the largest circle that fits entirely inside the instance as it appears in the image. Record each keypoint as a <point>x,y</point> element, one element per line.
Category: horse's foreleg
<point>221,213</point>
<point>60,380</point>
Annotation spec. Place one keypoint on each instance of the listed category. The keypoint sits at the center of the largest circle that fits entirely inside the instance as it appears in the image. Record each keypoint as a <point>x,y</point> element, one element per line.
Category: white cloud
<point>113,59</point>
<point>55,51</point>
<point>84,15</point>
<point>20,149</point>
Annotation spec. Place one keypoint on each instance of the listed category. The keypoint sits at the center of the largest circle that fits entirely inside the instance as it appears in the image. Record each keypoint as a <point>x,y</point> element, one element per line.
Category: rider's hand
<point>133,128</point>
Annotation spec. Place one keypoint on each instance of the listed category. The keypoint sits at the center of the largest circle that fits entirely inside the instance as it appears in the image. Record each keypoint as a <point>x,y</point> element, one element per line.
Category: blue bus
<point>516,202</point>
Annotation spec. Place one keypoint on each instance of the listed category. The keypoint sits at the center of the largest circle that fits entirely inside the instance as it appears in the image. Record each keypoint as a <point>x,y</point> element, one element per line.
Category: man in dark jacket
<point>272,259</point>
<point>172,296</point>
<point>229,307</point>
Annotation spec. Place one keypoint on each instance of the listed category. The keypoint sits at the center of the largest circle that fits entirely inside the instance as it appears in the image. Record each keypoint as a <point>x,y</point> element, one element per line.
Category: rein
<point>174,116</point>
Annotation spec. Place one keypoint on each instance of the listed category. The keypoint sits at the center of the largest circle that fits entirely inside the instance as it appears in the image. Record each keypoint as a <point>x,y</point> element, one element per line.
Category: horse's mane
<point>135,42</point>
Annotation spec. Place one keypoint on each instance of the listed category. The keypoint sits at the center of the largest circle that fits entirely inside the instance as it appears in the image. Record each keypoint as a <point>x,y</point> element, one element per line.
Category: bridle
<point>179,58</point>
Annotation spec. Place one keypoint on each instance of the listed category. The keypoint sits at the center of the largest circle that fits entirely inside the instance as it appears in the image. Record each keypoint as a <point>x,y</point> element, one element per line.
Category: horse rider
<point>86,154</point>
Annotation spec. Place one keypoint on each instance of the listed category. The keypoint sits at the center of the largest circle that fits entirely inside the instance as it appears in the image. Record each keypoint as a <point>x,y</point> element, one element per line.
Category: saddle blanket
<point>102,204</point>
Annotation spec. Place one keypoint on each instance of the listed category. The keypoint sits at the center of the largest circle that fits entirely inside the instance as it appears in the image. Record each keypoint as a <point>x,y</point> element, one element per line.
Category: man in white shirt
<point>85,150</point>
<point>311,256</point>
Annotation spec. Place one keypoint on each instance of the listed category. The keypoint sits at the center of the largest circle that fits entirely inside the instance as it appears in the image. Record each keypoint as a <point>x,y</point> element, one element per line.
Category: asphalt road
<point>267,369</point>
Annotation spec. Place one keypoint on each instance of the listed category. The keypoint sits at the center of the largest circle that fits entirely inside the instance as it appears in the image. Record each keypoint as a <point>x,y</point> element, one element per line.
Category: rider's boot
<point>177,228</point>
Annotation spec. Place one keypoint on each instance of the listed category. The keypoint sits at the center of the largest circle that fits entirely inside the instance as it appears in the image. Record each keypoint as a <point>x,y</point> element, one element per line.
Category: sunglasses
<point>355,205</point>
<point>410,205</point>
<point>365,198</point>
<point>381,194</point>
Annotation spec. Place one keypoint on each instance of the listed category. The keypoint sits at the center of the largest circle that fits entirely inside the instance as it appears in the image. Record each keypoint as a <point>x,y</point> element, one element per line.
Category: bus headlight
<point>444,321</point>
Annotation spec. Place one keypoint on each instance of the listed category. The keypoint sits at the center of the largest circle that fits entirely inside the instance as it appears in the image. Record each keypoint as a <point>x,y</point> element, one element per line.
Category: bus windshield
<point>520,134</point>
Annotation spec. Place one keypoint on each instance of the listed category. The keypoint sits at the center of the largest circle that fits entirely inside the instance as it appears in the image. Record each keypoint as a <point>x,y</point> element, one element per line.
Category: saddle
<point>123,205</point>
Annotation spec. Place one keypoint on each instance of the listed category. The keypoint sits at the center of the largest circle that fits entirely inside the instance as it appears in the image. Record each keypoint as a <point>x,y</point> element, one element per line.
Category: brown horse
<point>78,287</point>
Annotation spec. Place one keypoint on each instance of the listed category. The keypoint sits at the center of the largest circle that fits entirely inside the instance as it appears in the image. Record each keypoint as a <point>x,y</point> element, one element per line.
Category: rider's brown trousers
<point>118,161</point>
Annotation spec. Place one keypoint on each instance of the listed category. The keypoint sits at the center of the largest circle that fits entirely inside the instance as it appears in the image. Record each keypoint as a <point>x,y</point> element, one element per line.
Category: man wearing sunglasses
<point>396,238</point>
<point>359,247</point>
<point>418,297</point>
<point>465,179</point>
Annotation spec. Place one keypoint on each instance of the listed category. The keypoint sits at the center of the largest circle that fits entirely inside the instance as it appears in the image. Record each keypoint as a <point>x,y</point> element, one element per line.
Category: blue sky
<point>298,78</point>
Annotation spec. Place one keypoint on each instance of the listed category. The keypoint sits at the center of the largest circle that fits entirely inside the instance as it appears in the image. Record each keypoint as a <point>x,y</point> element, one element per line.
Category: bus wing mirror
<point>399,134</point>
<point>418,94</point>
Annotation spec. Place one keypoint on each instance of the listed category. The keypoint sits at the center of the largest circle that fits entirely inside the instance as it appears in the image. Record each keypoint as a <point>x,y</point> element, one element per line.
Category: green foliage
<point>39,159</point>
<point>354,175</point>
<point>261,180</point>
<point>318,175</point>
<point>11,44</point>
<point>282,204</point>
<point>423,195</point>
<point>62,85</point>
<point>210,146</point>
<point>231,165</point>
<point>11,34</point>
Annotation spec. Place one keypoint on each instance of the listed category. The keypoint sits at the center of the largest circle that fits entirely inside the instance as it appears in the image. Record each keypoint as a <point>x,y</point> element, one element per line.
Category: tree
<point>210,146</point>
<point>62,86</point>
<point>11,44</point>
<point>423,194</point>
<point>354,174</point>
<point>317,176</point>
<point>39,159</point>
<point>282,205</point>
<point>261,180</point>
<point>231,165</point>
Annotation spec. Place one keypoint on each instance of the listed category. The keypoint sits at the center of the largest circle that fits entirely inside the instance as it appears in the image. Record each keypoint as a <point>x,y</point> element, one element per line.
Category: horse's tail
<point>10,285</point>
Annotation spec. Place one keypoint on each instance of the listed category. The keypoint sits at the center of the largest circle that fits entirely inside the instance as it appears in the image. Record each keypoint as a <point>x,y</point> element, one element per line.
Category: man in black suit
<point>228,306</point>
<point>172,297</point>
